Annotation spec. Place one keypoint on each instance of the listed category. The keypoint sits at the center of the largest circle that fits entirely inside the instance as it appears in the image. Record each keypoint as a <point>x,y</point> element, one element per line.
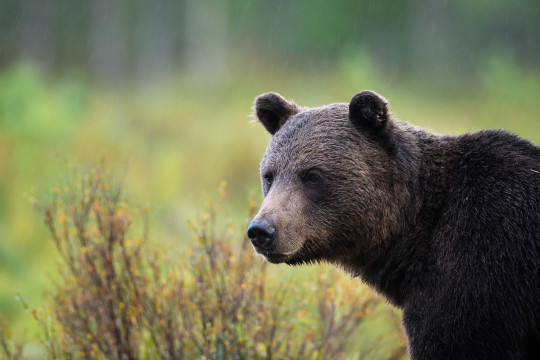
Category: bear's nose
<point>261,233</point>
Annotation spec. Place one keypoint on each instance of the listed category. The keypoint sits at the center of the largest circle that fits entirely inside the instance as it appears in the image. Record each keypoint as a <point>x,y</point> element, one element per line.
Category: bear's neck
<point>394,265</point>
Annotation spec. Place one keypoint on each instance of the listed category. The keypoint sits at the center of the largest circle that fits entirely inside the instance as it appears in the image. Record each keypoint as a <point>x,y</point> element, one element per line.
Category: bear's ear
<point>273,111</point>
<point>368,111</point>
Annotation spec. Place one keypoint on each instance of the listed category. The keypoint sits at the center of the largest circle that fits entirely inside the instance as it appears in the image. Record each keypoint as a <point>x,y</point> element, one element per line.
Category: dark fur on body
<point>446,227</point>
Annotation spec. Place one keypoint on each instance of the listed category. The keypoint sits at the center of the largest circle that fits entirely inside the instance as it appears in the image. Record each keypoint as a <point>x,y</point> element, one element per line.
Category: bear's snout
<point>261,233</point>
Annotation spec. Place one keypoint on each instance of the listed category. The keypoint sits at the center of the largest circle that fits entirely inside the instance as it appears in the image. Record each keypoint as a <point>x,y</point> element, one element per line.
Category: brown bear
<point>445,227</point>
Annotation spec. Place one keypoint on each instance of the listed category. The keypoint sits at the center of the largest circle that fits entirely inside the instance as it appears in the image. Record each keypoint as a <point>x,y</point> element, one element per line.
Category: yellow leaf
<point>61,217</point>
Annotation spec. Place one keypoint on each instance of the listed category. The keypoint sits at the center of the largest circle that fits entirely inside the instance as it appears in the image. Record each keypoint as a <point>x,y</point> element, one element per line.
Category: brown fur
<point>446,227</point>
<point>325,139</point>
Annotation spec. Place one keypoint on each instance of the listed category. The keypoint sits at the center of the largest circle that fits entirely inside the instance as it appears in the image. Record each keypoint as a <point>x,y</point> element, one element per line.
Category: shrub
<point>11,350</point>
<point>121,296</point>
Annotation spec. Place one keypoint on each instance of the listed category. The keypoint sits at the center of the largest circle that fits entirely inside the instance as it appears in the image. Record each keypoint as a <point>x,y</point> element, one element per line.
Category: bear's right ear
<point>273,111</point>
<point>368,111</point>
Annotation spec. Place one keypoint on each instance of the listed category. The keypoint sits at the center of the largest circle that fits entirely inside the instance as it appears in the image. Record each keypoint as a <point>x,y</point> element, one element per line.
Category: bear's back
<point>492,218</point>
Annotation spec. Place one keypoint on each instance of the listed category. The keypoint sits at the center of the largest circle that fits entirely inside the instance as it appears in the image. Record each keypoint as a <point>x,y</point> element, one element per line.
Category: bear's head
<point>332,180</point>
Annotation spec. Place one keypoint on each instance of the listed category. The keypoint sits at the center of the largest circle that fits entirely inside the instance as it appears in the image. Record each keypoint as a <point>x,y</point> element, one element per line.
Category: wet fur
<point>446,227</point>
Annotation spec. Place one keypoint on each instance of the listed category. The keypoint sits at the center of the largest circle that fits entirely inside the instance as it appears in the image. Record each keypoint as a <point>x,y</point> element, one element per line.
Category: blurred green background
<point>163,90</point>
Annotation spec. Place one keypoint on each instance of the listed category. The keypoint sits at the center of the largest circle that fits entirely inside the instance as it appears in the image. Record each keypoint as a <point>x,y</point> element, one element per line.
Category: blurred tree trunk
<point>157,39</point>
<point>38,40</point>
<point>205,50</point>
<point>108,40</point>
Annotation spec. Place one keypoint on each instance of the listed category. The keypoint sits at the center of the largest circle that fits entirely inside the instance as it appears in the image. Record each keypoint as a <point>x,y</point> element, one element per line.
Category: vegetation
<point>184,137</point>
<point>121,297</point>
<point>145,39</point>
<point>163,89</point>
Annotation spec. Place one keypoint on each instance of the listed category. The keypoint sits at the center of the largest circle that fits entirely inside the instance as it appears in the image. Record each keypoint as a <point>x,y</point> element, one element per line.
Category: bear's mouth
<point>278,257</point>
<point>275,258</point>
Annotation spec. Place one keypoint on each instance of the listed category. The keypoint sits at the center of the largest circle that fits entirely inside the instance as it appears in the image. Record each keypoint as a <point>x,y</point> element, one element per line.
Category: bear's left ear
<point>368,111</point>
<point>273,110</point>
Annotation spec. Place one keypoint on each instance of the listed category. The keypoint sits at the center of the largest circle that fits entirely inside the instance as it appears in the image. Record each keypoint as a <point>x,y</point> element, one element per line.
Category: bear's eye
<point>268,179</point>
<point>311,179</point>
